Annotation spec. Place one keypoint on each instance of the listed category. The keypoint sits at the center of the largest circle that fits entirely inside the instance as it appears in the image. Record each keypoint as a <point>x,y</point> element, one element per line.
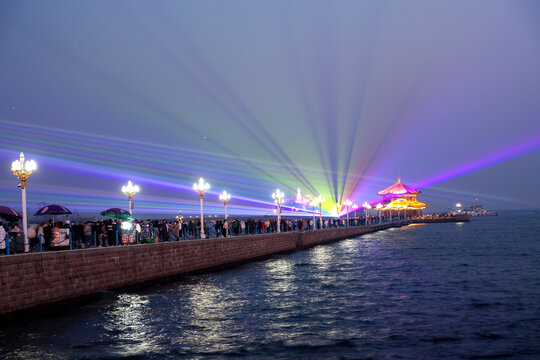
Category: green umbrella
<point>118,213</point>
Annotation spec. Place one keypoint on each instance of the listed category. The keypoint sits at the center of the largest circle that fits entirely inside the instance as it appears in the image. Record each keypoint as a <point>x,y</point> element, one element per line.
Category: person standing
<point>242,226</point>
<point>2,239</point>
<point>225,229</point>
<point>32,235</point>
<point>110,233</point>
<point>87,234</point>
<point>176,230</point>
<point>164,231</point>
<point>138,230</point>
<point>41,233</point>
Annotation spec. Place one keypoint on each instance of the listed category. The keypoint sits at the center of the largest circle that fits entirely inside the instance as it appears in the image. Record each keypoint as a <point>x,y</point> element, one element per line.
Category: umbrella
<point>9,214</point>
<point>117,213</point>
<point>53,210</point>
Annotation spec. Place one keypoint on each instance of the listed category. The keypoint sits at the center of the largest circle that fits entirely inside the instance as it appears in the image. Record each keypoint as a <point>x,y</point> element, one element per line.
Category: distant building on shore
<point>401,197</point>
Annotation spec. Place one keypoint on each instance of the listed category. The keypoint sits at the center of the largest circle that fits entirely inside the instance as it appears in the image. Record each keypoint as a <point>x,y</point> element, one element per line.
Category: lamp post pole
<point>225,197</point>
<point>320,200</point>
<point>313,203</point>
<point>130,190</point>
<point>379,207</point>
<point>22,170</point>
<point>366,210</point>
<point>201,188</point>
<point>338,208</point>
<point>347,203</point>
<point>278,197</point>
<point>355,207</point>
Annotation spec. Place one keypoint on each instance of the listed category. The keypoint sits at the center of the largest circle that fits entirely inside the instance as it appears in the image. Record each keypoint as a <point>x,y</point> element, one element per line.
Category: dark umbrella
<point>9,214</point>
<point>117,213</point>
<point>53,210</point>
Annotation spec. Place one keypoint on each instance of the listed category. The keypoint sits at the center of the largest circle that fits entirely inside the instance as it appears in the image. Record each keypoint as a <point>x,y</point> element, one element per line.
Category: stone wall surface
<point>29,280</point>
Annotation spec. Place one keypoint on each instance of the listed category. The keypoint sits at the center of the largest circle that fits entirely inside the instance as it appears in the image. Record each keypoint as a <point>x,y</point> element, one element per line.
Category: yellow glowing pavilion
<point>402,197</point>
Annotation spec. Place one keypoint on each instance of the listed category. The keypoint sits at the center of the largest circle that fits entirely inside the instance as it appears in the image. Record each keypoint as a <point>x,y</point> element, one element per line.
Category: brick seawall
<point>30,280</point>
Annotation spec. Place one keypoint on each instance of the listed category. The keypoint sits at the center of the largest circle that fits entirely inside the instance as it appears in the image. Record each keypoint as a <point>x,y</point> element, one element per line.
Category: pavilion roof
<point>399,188</point>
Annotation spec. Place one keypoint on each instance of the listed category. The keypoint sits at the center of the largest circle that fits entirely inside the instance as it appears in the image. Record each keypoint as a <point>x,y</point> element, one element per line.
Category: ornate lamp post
<point>379,209</point>
<point>406,207</point>
<point>22,170</point>
<point>313,203</point>
<point>319,201</point>
<point>225,196</point>
<point>130,190</point>
<point>201,188</point>
<point>458,205</point>
<point>367,207</point>
<point>337,210</point>
<point>355,207</point>
<point>347,203</point>
<point>278,197</point>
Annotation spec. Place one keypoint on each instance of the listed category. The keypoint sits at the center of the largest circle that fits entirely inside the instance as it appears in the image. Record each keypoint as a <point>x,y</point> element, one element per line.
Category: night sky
<point>339,98</point>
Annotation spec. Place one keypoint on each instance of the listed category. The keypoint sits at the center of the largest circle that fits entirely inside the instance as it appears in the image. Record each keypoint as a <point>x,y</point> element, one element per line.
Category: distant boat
<point>478,210</point>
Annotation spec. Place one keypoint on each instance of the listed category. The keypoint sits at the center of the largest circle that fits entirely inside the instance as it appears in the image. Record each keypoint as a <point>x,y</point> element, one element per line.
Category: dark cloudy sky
<point>339,98</point>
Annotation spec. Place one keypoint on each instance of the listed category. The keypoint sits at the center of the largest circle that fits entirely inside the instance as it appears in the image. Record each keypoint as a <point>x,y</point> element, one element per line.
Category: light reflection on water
<point>127,323</point>
<point>322,257</point>
<point>441,291</point>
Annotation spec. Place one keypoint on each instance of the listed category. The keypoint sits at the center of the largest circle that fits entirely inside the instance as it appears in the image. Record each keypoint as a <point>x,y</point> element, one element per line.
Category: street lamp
<point>225,196</point>
<point>367,207</point>
<point>379,208</point>
<point>313,203</point>
<point>278,197</point>
<point>201,188</point>
<point>22,170</point>
<point>337,209</point>
<point>130,190</point>
<point>406,207</point>
<point>458,205</point>
<point>319,200</point>
<point>347,203</point>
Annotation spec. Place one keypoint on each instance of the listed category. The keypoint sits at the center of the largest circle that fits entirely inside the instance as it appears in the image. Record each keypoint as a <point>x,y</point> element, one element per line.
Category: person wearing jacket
<point>3,245</point>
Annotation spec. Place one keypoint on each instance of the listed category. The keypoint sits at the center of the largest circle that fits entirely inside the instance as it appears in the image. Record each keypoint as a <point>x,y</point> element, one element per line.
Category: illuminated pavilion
<point>400,197</point>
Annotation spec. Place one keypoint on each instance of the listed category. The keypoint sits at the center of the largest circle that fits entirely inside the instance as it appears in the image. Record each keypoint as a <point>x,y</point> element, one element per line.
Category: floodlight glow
<point>224,196</point>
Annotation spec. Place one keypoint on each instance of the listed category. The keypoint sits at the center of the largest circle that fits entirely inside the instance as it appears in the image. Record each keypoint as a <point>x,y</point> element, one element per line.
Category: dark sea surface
<point>437,291</point>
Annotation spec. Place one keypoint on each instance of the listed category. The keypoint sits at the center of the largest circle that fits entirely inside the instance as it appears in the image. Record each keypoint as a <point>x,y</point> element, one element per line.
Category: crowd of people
<point>49,235</point>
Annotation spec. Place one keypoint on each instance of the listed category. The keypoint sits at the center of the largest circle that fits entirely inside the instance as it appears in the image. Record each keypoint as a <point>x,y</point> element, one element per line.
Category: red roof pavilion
<point>399,189</point>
